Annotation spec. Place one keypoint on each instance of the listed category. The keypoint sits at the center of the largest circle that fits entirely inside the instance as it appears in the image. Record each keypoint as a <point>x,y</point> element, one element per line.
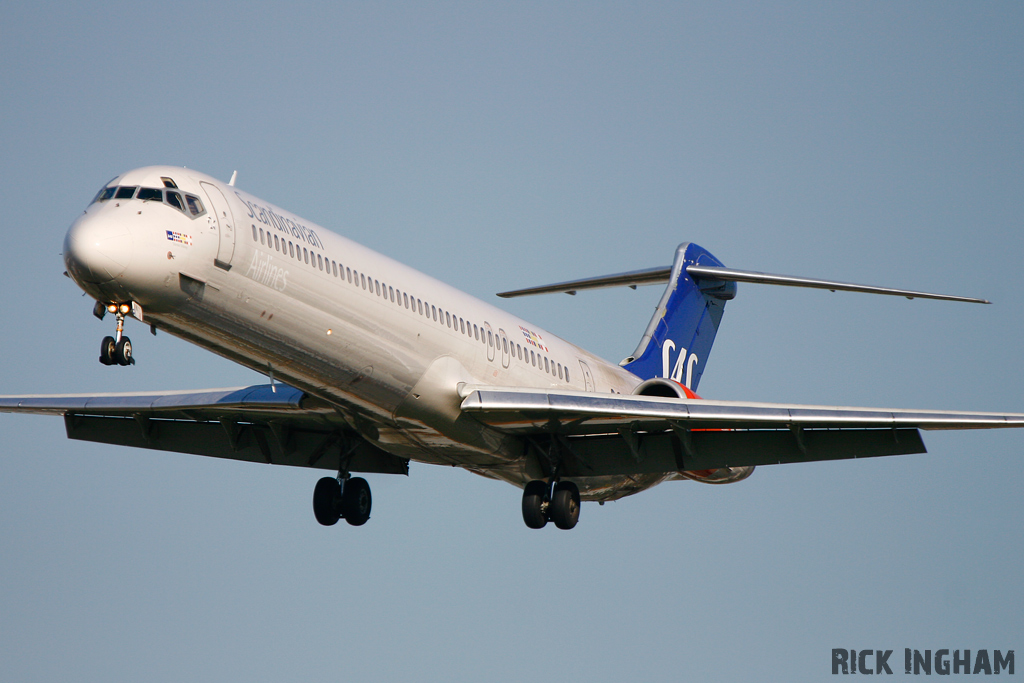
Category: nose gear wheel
<point>116,350</point>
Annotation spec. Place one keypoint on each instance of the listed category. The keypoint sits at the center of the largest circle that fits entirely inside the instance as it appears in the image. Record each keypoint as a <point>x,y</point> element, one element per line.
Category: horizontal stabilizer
<point>655,276</point>
<point>733,275</point>
<point>648,276</point>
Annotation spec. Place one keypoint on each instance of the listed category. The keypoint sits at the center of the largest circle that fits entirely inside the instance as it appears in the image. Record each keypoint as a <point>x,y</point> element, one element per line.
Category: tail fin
<point>679,337</point>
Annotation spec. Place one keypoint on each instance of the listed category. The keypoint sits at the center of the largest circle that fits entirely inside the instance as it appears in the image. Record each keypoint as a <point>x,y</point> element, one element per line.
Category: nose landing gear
<point>117,350</point>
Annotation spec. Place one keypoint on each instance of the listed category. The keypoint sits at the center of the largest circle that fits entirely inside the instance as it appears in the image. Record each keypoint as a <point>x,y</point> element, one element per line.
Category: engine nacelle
<point>666,388</point>
<point>660,386</point>
<point>722,475</point>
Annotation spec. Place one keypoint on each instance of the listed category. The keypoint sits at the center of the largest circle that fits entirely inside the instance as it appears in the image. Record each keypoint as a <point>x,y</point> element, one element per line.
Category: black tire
<point>107,348</point>
<point>565,505</point>
<point>535,494</point>
<point>123,351</point>
<point>327,501</point>
<point>356,501</point>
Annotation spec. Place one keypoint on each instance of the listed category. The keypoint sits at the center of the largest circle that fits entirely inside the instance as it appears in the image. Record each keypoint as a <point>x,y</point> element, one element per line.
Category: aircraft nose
<point>97,248</point>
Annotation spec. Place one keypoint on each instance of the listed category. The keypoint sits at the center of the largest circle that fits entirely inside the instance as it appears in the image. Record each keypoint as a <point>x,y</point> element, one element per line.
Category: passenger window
<point>376,283</point>
<point>449,317</point>
<point>433,311</point>
<point>566,373</point>
<point>559,371</point>
<point>334,267</point>
<point>533,359</point>
<point>125,192</point>
<point>519,350</point>
<point>391,294</point>
<point>277,243</point>
<point>405,298</point>
<point>490,338</point>
<point>174,199</point>
<point>504,345</point>
<point>195,206</point>
<point>348,271</point>
<point>547,368</point>
<point>320,261</point>
<point>254,238</point>
<point>261,236</point>
<point>462,325</point>
<point>291,249</point>
<point>419,305</point>
<point>305,254</point>
<point>476,332</point>
<point>362,278</point>
<point>169,183</point>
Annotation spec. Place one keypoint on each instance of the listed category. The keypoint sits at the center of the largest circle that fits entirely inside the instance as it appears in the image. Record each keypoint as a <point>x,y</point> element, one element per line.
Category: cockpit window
<point>195,206</point>
<point>169,183</point>
<point>104,194</point>
<point>174,199</point>
<point>189,204</point>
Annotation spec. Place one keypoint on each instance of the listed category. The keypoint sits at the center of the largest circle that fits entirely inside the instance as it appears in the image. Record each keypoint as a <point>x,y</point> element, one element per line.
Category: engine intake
<point>666,388</point>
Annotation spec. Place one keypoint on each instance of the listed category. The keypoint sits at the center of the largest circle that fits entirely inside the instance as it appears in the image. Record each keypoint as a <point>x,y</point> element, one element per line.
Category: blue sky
<point>505,145</point>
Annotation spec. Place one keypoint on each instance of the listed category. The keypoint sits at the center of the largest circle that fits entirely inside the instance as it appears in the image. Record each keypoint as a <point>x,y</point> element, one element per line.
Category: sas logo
<point>683,364</point>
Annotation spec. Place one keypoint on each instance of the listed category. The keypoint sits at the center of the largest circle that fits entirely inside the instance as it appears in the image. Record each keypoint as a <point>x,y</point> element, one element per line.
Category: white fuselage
<point>385,343</point>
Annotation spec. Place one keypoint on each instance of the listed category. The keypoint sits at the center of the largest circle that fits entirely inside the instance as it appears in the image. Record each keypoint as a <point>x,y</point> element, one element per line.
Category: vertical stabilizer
<point>679,337</point>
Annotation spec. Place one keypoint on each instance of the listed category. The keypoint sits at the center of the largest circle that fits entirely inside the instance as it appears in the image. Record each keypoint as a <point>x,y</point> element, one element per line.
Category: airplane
<point>372,364</point>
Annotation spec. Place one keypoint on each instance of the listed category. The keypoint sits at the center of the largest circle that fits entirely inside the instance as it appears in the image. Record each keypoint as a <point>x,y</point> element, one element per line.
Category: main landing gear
<point>559,504</point>
<point>116,350</point>
<point>345,498</point>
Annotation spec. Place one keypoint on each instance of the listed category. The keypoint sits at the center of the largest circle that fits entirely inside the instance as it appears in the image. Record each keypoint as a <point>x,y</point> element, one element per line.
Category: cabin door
<point>221,211</point>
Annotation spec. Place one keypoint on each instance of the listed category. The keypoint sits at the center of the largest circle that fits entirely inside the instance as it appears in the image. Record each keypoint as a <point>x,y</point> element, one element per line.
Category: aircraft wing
<point>625,434</point>
<point>278,425</point>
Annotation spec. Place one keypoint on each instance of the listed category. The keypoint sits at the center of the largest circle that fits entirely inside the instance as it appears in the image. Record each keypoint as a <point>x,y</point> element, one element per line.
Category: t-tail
<point>679,337</point>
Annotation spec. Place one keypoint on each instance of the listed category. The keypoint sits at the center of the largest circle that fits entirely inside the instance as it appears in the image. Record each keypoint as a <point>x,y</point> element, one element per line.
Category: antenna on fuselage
<point>234,174</point>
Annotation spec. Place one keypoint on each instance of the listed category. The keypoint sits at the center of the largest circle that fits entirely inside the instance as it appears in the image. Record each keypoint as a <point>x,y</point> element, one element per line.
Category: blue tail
<point>679,336</point>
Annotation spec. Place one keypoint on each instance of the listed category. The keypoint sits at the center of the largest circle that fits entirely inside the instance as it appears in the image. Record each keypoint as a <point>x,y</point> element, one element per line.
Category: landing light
<point>112,308</point>
<point>125,308</point>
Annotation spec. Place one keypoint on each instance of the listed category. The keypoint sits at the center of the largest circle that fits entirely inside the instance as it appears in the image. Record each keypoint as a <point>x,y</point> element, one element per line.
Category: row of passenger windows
<point>418,306</point>
<point>189,204</point>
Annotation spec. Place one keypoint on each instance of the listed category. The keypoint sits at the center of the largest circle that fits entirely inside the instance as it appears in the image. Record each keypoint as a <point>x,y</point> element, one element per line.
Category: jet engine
<point>660,386</point>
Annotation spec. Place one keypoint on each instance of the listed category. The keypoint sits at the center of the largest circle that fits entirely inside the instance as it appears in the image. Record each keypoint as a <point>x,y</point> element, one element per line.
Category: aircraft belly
<point>604,488</point>
<point>265,334</point>
<point>371,377</point>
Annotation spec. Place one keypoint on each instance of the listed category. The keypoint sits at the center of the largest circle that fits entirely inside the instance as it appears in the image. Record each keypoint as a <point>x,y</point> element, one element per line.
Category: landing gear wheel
<point>565,505</point>
<point>107,349</point>
<point>356,501</point>
<point>535,495</point>
<point>327,501</point>
<point>123,352</point>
